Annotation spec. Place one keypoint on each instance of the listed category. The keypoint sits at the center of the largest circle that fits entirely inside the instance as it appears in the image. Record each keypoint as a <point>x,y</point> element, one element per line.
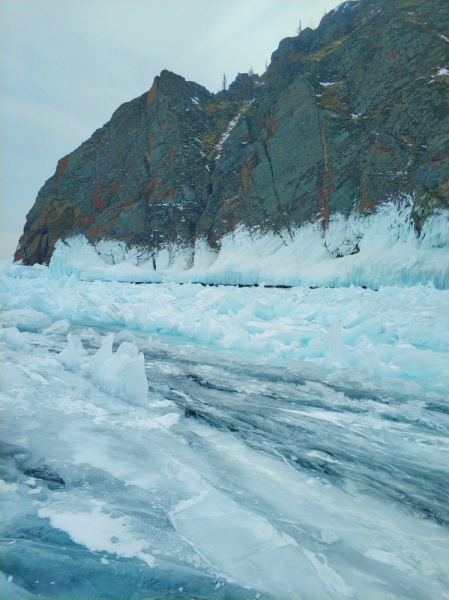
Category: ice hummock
<point>14,338</point>
<point>393,334</point>
<point>121,373</point>
<point>362,250</point>
<point>73,357</point>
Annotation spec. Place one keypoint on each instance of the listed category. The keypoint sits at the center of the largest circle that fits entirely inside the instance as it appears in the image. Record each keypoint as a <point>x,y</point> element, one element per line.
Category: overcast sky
<point>66,65</point>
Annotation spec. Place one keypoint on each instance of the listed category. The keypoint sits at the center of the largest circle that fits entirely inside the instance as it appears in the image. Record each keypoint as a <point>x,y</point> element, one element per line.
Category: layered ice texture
<point>369,250</point>
<point>191,441</point>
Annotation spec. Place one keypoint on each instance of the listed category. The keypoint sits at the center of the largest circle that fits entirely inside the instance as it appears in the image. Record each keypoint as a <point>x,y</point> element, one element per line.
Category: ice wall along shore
<point>369,250</point>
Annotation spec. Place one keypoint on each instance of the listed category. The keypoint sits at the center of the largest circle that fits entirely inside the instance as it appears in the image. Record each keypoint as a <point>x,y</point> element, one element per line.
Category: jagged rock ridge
<point>345,117</point>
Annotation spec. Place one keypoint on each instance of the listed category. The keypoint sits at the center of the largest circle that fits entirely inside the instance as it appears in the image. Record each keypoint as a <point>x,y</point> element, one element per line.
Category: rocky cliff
<point>345,117</point>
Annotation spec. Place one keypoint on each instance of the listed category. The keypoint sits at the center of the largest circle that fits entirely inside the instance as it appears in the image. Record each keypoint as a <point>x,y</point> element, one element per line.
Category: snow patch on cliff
<point>225,135</point>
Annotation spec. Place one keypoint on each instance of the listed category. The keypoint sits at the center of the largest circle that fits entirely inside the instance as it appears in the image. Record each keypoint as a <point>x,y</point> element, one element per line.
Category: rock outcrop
<point>345,117</point>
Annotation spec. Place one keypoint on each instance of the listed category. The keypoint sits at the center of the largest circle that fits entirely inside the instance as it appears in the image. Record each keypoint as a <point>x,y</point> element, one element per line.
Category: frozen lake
<point>292,443</point>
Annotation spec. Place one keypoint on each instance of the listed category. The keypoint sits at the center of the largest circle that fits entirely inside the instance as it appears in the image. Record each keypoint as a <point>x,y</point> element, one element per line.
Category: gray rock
<point>346,116</point>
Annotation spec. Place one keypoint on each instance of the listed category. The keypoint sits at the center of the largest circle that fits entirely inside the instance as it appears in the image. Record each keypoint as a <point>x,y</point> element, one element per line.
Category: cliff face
<point>346,116</point>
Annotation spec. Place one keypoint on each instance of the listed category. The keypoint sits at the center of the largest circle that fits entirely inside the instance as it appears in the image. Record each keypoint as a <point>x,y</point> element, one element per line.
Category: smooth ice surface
<point>180,441</point>
<point>365,250</point>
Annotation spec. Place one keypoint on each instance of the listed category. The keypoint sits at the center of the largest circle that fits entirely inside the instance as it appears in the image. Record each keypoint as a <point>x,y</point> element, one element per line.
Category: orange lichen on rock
<point>152,93</point>
<point>439,156</point>
<point>245,181</point>
<point>84,221</point>
<point>366,202</point>
<point>97,200</point>
<point>326,188</point>
<point>232,221</point>
<point>380,149</point>
<point>60,170</point>
<point>270,126</point>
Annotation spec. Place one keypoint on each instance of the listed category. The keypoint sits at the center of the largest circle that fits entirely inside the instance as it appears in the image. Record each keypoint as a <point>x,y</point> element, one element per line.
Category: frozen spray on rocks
<point>370,250</point>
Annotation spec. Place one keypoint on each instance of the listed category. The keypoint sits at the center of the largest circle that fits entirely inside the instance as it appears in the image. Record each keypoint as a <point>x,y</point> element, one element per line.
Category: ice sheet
<point>283,443</point>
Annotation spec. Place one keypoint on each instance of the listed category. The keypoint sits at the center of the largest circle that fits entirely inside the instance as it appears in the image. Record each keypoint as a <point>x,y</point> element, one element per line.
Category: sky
<point>66,66</point>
